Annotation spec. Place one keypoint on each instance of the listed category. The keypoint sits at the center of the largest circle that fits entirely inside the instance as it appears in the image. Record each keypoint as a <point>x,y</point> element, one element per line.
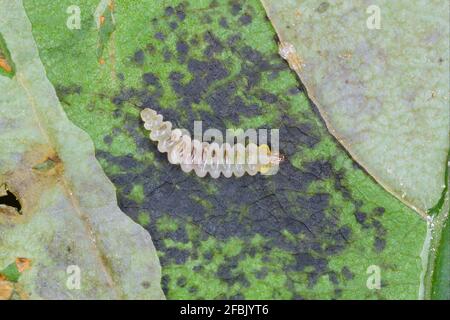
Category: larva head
<point>271,160</point>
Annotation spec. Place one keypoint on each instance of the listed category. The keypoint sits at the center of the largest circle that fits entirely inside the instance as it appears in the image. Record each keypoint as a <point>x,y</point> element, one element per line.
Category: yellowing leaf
<point>379,76</point>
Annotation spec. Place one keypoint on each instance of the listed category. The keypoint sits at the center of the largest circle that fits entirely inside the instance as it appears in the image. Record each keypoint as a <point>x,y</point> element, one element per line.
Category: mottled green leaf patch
<point>373,86</point>
<point>311,231</point>
<point>441,275</point>
<point>106,25</point>
<point>58,210</point>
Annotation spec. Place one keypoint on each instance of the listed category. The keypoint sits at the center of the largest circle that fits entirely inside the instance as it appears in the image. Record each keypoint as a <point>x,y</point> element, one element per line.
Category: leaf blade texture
<point>69,214</point>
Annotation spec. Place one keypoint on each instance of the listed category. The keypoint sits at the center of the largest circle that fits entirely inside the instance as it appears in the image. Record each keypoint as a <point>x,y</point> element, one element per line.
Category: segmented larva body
<point>204,157</point>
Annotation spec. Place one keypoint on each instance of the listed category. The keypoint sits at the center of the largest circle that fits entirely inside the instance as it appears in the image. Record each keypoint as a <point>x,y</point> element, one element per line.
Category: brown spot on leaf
<point>6,290</point>
<point>23,264</point>
<point>5,65</point>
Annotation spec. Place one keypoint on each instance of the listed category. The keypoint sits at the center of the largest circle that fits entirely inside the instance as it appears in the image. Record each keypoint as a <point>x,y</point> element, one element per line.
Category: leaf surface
<point>310,231</point>
<point>61,211</point>
<point>383,92</point>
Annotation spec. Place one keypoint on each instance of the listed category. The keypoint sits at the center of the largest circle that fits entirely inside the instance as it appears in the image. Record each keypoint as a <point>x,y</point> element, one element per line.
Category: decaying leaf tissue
<point>224,149</point>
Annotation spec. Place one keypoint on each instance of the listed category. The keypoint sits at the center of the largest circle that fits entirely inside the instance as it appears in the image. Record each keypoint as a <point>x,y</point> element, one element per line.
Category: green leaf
<point>382,88</point>
<point>58,208</point>
<point>441,275</point>
<point>310,231</point>
<point>11,272</point>
<point>106,26</point>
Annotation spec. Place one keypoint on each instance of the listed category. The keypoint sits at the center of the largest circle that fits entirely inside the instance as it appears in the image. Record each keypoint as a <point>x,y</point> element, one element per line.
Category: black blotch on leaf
<point>236,7</point>
<point>181,15</point>
<point>173,25</point>
<point>139,57</point>
<point>107,139</point>
<point>169,11</point>
<point>223,23</point>
<point>245,19</point>
<point>150,79</point>
<point>160,36</point>
<point>236,208</point>
<point>348,275</point>
<point>182,50</point>
<point>379,244</point>
<point>181,281</point>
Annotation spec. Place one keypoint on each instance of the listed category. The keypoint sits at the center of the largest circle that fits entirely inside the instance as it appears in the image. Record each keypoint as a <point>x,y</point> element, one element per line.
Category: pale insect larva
<point>204,157</point>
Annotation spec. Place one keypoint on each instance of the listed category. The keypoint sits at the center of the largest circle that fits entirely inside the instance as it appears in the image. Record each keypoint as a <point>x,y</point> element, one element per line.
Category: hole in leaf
<point>10,200</point>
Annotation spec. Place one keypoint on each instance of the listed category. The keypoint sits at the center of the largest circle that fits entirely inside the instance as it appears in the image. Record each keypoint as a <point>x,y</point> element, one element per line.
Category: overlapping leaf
<point>58,208</point>
<point>378,71</point>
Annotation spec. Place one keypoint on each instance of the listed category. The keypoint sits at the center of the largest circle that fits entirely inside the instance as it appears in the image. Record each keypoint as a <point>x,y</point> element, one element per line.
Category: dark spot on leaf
<point>117,113</point>
<point>208,255</point>
<point>261,274</point>
<point>165,280</point>
<point>139,57</point>
<point>181,281</point>
<point>173,25</point>
<point>323,7</point>
<point>192,290</point>
<point>182,49</point>
<point>63,91</point>
<point>347,273</point>
<point>337,293</point>
<point>268,97</point>
<point>223,23</point>
<point>150,79</point>
<point>224,270</point>
<point>169,11</point>
<point>177,255</point>
<point>198,268</point>
<point>379,244</point>
<point>159,36</point>
<point>379,211</point>
<point>345,232</point>
<point>107,139</point>
<point>235,8</point>
<point>214,45</point>
<point>294,91</point>
<point>167,55</point>
<point>181,15</point>
<point>360,217</point>
<point>245,19</point>
<point>233,39</point>
<point>333,277</point>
